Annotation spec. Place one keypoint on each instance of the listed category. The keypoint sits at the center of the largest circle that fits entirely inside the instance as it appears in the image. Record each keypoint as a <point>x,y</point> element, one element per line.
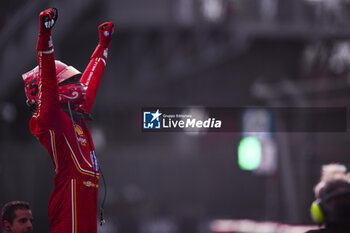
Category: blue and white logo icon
<point>94,160</point>
<point>151,120</point>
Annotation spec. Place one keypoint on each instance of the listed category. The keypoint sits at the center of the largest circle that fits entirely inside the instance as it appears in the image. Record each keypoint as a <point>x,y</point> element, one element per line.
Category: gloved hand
<point>47,20</point>
<point>105,32</point>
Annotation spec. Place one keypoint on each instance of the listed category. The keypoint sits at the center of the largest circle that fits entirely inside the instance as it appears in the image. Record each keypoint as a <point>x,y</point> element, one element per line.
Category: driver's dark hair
<point>8,211</point>
<point>338,206</point>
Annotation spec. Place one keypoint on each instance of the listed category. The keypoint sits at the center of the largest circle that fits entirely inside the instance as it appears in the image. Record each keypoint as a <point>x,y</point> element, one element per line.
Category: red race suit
<point>73,201</point>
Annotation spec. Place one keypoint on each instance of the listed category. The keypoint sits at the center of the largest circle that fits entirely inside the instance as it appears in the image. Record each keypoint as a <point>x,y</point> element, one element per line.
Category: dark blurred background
<point>182,53</point>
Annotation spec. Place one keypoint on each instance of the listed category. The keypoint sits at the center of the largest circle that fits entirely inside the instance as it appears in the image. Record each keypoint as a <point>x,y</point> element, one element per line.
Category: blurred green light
<point>249,153</point>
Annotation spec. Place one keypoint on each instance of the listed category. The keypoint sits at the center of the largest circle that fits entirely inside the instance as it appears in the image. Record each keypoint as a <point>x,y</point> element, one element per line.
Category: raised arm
<point>48,103</point>
<point>92,75</point>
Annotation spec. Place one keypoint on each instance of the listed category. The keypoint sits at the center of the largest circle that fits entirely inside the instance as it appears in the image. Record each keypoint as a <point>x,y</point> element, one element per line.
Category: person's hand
<point>48,19</point>
<point>105,32</point>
